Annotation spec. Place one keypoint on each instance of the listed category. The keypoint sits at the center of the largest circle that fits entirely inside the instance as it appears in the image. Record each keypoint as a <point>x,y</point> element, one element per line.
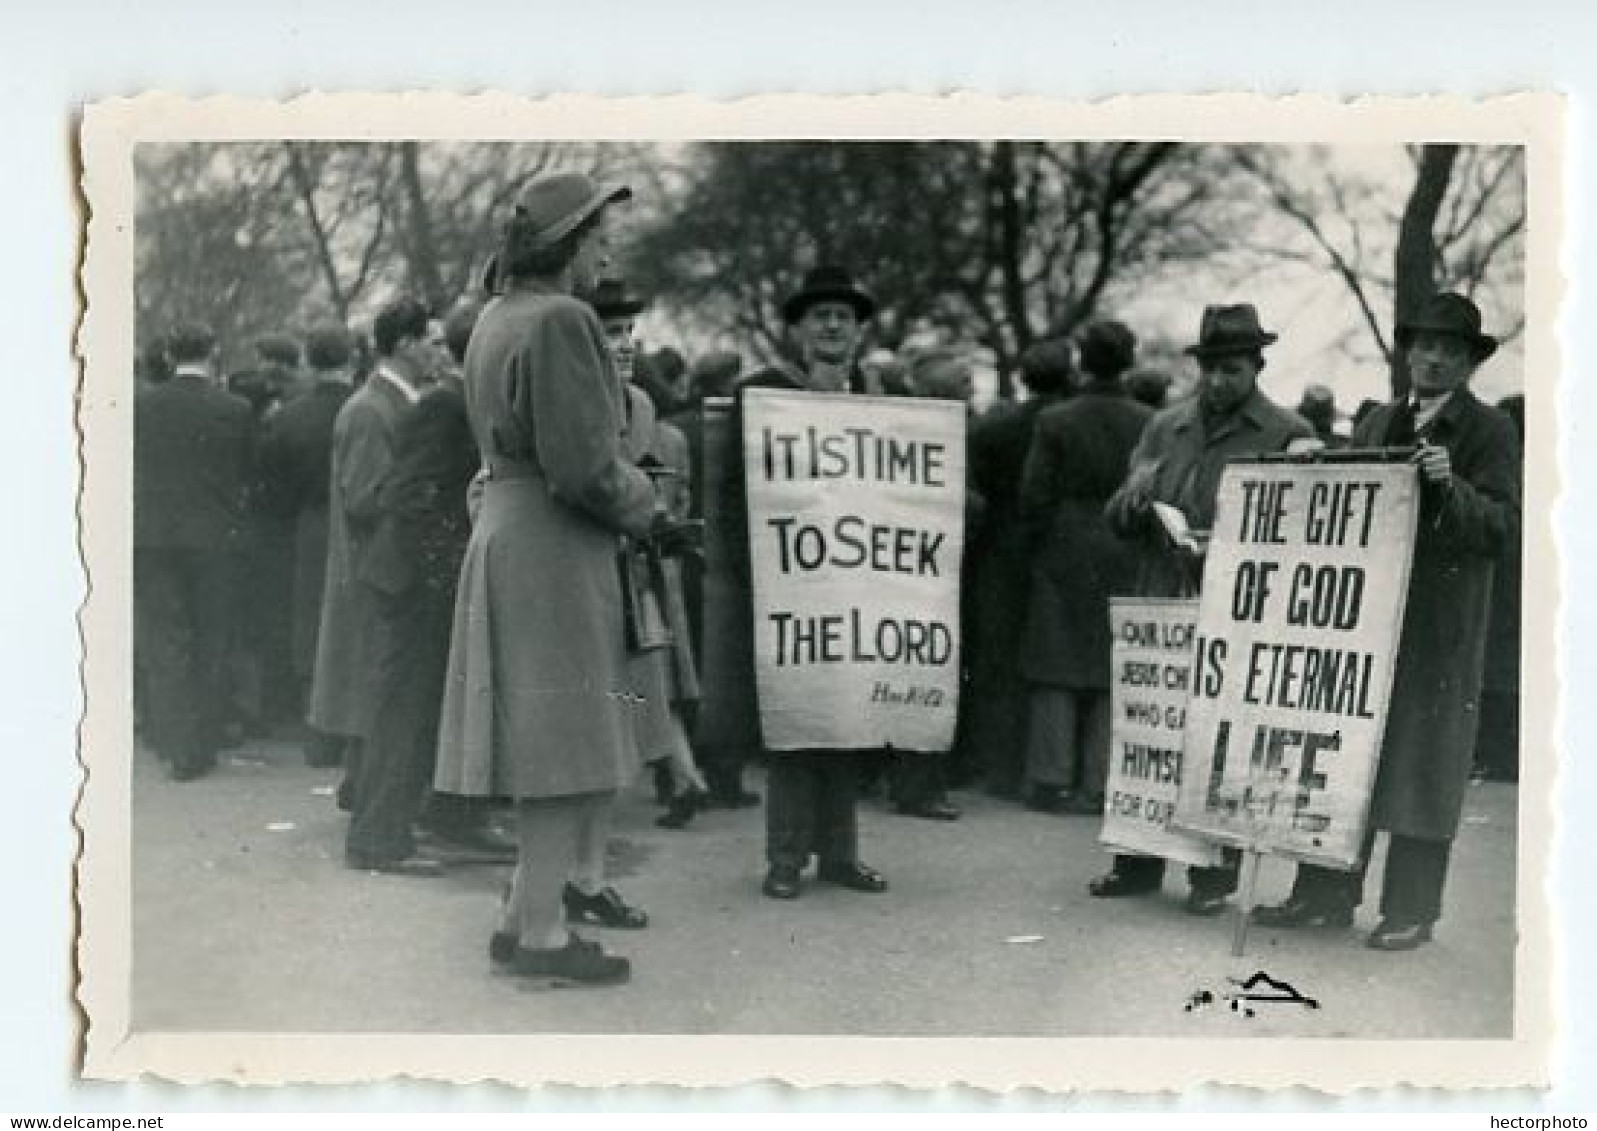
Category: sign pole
<point>1250,883</point>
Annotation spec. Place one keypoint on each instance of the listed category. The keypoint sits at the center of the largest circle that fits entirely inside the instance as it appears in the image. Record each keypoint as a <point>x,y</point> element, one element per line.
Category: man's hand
<point>1138,488</point>
<point>677,537</point>
<point>1434,464</point>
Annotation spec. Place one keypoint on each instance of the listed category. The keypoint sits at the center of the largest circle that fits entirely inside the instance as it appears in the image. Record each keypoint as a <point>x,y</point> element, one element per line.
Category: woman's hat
<point>829,284</point>
<point>612,299</point>
<point>1451,314</point>
<point>556,205</point>
<point>1230,329</point>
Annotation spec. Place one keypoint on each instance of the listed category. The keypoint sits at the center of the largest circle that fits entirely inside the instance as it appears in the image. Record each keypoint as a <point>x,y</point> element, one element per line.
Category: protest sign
<point>1152,660</point>
<point>1298,629</point>
<point>856,511</point>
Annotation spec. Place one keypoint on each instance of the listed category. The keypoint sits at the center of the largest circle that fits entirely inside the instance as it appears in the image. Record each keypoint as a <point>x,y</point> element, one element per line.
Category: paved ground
<point>246,920</point>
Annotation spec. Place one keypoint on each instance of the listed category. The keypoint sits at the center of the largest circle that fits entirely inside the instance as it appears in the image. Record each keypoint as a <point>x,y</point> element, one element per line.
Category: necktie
<point>1400,431</point>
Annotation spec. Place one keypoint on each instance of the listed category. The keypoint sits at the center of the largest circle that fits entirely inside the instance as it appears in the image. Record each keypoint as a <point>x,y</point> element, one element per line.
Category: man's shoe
<point>578,963</point>
<point>415,866</point>
<point>323,752</point>
<point>939,810</point>
<point>604,908</point>
<point>1299,912</point>
<point>854,876</point>
<point>1044,799</point>
<point>502,947</point>
<point>681,810</point>
<point>781,883</point>
<point>1084,805</point>
<point>1207,903</point>
<point>469,845</point>
<point>1399,936</point>
<point>1115,885</point>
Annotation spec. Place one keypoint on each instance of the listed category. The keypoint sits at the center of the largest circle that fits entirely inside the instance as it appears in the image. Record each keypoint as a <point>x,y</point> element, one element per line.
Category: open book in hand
<point>1182,536</point>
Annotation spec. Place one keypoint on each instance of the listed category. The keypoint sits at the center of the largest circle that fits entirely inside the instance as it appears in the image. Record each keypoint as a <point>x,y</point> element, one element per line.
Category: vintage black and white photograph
<point>1063,579</point>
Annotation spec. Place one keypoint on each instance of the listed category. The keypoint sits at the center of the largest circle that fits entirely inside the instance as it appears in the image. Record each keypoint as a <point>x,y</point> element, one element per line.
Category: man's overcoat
<point>1079,455</point>
<point>363,452</point>
<point>1429,746</point>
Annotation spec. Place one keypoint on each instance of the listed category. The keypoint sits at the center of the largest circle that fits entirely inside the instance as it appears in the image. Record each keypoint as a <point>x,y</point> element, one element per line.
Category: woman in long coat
<point>538,701</point>
<point>1079,456</point>
<point>663,673</point>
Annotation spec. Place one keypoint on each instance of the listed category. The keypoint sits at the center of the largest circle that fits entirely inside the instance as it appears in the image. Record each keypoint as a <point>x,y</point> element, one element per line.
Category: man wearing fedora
<point>1178,460</point>
<point>810,806</point>
<point>1468,460</point>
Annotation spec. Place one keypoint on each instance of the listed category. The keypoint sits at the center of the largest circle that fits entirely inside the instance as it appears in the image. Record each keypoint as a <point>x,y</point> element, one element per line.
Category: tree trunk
<point>306,188</point>
<point>1004,218</point>
<point>418,221</point>
<point>1415,272</point>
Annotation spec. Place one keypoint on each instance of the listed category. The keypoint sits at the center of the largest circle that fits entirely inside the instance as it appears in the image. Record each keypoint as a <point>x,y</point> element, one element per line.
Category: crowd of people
<point>466,561</point>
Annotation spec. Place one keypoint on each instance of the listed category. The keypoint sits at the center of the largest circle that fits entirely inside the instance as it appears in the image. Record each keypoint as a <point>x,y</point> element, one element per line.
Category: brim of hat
<point>1232,347</point>
<point>603,195</point>
<point>864,306</point>
<point>1484,344</point>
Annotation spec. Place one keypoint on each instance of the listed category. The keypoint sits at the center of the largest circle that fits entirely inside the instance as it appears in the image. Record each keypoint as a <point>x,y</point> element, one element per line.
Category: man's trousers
<point>809,808</point>
<point>411,658</point>
<point>184,626</point>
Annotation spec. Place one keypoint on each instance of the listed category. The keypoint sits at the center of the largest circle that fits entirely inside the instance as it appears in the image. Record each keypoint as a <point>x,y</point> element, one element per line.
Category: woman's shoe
<point>605,908</point>
<point>579,962</point>
<point>681,810</point>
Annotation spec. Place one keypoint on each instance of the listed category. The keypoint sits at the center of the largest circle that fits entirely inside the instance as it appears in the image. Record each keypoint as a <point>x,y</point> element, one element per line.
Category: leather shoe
<point>469,845</point>
<point>579,962</point>
<point>416,867</point>
<point>781,883</point>
<point>1084,805</point>
<point>1399,936</point>
<point>604,908</point>
<point>854,876</point>
<point>681,810</point>
<point>939,809</point>
<point>1299,912</point>
<point>1206,903</point>
<point>1115,885</point>
<point>502,947</point>
<point>1044,799</point>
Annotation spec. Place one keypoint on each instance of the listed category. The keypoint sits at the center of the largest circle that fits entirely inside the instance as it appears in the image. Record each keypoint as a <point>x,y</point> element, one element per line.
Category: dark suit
<point>411,568</point>
<point>192,468</point>
<point>995,710</point>
<point>1080,453</point>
